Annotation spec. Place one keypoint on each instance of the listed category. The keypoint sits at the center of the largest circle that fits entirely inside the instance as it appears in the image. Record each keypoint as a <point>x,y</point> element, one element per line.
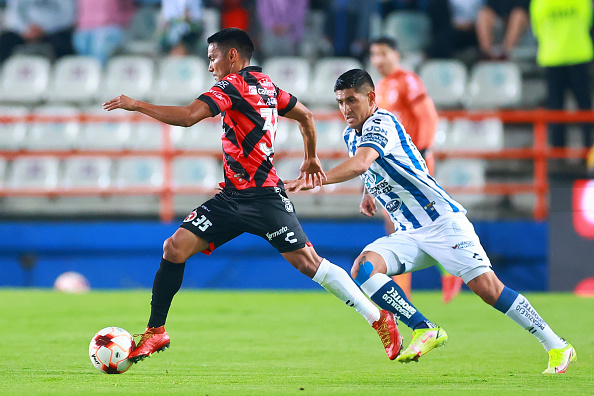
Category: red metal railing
<point>539,153</point>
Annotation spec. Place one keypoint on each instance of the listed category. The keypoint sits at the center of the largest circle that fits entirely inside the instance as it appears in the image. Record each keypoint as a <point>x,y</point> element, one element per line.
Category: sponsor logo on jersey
<point>191,217</point>
<point>375,183</point>
<point>393,205</point>
<point>268,92</point>
<point>376,129</point>
<point>253,90</point>
<point>274,234</point>
<point>265,83</point>
<point>463,245</point>
<point>375,138</point>
<point>271,102</point>
<point>205,208</point>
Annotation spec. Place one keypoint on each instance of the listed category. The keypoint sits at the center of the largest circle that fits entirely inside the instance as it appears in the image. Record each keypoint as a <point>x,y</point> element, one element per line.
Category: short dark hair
<point>354,78</point>
<point>233,38</point>
<point>385,40</point>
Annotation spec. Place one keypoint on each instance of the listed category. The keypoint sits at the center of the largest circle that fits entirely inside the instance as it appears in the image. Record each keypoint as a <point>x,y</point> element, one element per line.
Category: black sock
<point>168,280</point>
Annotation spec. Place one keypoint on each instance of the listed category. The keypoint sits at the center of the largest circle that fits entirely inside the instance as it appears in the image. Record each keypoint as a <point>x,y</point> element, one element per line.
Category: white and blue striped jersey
<point>399,179</point>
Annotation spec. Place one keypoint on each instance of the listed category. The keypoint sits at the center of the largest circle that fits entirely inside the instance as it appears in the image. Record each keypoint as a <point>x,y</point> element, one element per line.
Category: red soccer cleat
<point>388,332</point>
<point>154,339</point>
<point>450,286</point>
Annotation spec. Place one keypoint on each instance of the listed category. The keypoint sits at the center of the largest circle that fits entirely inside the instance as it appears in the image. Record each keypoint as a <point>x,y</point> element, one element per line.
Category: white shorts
<point>450,241</point>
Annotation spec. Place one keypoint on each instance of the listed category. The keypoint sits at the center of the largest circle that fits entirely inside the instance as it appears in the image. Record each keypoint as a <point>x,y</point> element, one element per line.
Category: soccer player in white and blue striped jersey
<point>430,226</point>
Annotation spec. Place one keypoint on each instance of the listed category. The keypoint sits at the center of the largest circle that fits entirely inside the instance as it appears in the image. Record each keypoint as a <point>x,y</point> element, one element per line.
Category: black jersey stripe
<point>262,172</point>
<point>237,168</point>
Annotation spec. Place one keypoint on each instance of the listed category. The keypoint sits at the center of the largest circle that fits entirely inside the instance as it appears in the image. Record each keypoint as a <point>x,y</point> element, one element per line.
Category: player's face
<point>356,107</point>
<point>383,58</point>
<point>219,64</point>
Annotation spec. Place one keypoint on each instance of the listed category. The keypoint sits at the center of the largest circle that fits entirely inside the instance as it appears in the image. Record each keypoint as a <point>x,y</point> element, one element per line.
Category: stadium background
<point>96,193</point>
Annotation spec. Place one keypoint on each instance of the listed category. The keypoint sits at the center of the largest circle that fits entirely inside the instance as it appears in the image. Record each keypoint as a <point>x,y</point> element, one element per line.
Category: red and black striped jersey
<point>249,104</point>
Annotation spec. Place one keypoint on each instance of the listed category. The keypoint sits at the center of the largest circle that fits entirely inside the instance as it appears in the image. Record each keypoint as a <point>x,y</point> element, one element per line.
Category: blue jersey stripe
<point>438,190</point>
<point>374,146</point>
<point>404,141</point>
<point>405,212</point>
<point>411,188</point>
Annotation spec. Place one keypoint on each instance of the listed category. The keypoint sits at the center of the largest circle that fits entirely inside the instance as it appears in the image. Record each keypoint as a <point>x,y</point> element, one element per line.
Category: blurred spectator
<point>514,14</point>
<point>347,26</point>
<point>181,26</point>
<point>453,26</point>
<point>33,21</point>
<point>562,29</point>
<point>235,13</point>
<point>100,26</point>
<point>403,93</point>
<point>282,24</point>
<point>388,6</point>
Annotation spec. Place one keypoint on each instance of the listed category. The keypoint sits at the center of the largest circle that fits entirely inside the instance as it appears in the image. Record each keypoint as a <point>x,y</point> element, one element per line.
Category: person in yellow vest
<point>562,28</point>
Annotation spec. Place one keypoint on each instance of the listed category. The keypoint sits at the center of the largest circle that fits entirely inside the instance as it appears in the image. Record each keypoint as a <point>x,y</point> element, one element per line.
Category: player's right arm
<point>173,115</point>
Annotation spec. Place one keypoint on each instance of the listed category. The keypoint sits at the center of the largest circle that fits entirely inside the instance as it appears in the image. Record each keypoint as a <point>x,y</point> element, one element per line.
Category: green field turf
<point>283,343</point>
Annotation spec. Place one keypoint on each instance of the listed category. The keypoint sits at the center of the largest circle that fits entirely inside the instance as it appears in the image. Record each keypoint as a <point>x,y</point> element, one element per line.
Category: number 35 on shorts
<point>201,222</point>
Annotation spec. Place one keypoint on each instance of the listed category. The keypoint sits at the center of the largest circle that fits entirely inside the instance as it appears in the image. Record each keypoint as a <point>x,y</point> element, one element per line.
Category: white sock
<point>334,279</point>
<point>522,313</point>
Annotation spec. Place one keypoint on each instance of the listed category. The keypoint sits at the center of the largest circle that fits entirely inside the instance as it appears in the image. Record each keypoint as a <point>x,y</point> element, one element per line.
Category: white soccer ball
<point>72,282</point>
<point>109,350</point>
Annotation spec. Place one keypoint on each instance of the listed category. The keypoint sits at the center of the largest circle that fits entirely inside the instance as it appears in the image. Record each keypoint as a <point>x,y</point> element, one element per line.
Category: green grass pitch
<point>283,343</point>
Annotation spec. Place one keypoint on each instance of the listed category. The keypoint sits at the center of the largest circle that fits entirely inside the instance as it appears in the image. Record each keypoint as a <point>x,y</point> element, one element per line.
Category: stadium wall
<point>127,254</point>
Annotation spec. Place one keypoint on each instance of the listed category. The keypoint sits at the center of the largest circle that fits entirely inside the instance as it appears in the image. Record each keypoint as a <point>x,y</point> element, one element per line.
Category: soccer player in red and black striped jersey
<point>253,198</point>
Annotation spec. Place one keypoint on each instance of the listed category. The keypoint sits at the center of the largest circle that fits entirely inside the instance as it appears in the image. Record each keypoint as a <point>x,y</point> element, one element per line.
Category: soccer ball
<point>109,350</point>
<point>72,282</point>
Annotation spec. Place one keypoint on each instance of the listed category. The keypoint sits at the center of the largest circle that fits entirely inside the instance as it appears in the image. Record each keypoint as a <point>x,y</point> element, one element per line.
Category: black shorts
<point>266,212</point>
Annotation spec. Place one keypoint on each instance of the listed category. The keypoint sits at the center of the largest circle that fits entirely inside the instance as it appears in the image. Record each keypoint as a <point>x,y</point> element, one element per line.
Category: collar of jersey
<point>251,69</point>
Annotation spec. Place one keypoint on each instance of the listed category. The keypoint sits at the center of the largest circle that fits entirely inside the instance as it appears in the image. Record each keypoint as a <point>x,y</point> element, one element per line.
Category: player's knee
<point>172,251</point>
<point>362,271</point>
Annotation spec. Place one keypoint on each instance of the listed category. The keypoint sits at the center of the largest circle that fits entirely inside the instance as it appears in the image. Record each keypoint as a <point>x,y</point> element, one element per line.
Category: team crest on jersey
<point>191,217</point>
<point>393,205</point>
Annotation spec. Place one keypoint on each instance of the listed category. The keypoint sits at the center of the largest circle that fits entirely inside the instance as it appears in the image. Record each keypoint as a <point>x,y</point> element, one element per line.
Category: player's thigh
<point>456,246</point>
<point>214,222</point>
<point>400,253</point>
<point>272,217</point>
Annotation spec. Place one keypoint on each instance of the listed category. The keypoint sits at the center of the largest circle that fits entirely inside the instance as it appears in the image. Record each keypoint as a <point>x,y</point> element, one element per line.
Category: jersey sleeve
<point>221,97</point>
<point>378,135</point>
<point>285,101</point>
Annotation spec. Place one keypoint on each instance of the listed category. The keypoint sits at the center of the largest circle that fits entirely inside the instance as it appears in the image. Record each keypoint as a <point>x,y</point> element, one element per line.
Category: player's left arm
<point>311,169</point>
<point>347,170</point>
<point>353,167</point>
<point>173,115</point>
<point>427,118</point>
